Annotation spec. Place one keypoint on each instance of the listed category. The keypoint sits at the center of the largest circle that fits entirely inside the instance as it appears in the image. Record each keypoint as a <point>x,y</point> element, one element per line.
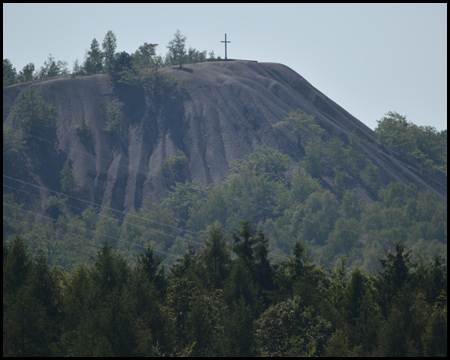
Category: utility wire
<point>100,215</point>
<point>93,245</point>
<point>115,219</point>
<point>273,211</point>
<point>80,227</point>
<point>101,206</point>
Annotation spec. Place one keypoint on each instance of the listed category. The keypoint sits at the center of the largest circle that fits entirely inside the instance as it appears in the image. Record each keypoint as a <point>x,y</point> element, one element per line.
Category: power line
<point>273,211</point>
<point>123,221</point>
<point>100,215</point>
<point>80,227</point>
<point>93,245</point>
<point>359,233</point>
<point>101,206</point>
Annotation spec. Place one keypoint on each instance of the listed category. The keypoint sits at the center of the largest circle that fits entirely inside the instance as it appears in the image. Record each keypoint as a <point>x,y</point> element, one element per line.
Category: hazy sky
<point>368,58</point>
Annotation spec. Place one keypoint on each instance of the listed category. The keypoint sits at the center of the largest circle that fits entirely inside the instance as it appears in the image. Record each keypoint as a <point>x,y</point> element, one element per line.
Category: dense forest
<point>222,300</point>
<point>272,261</point>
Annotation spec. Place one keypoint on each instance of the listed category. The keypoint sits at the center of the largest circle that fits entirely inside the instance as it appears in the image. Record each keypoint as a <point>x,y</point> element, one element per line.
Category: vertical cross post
<point>226,45</point>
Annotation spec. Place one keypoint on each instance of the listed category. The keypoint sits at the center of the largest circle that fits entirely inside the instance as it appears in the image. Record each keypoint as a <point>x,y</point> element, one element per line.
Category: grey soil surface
<point>223,110</point>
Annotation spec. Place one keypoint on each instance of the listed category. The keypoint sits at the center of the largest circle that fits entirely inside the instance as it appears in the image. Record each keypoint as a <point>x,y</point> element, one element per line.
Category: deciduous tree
<point>177,50</point>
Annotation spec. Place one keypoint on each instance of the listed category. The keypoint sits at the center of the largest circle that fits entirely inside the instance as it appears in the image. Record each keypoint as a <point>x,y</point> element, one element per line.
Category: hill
<point>218,112</point>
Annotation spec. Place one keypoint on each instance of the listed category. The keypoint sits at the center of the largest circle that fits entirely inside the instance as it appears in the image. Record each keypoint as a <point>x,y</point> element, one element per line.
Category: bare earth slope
<point>222,111</point>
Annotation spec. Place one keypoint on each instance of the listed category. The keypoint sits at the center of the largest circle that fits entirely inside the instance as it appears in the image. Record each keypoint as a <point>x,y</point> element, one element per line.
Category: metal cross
<point>226,45</point>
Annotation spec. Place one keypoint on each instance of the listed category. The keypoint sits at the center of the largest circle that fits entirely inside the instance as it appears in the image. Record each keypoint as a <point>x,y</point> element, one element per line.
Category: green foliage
<point>54,206</point>
<point>336,152</point>
<point>195,56</point>
<point>83,131</point>
<point>313,159</point>
<point>435,336</point>
<point>183,197</point>
<point>109,47</point>
<point>33,113</point>
<point>113,118</point>
<point>354,157</point>
<point>214,257</point>
<point>288,328</point>
<point>303,185</point>
<point>371,178</point>
<point>110,308</point>
<point>67,180</point>
<point>144,57</point>
<point>27,73</point>
<point>93,63</point>
<point>9,73</point>
<point>52,68</point>
<point>262,161</point>
<point>424,143</point>
<point>301,124</point>
<point>13,145</point>
<point>177,51</point>
<point>179,158</point>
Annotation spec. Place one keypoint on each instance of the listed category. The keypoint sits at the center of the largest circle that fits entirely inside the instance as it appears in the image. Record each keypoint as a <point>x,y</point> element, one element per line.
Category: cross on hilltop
<point>226,45</point>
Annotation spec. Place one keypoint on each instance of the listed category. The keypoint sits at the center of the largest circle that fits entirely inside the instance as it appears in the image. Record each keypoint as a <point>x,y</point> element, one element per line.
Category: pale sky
<point>368,58</point>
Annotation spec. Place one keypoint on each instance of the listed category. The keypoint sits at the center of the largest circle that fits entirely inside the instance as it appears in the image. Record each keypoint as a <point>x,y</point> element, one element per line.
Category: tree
<point>313,159</point>
<point>302,186</point>
<point>302,124</point>
<point>109,47</point>
<point>9,73</point>
<point>289,328</point>
<point>350,207</point>
<point>173,161</point>
<point>435,337</point>
<point>395,274</point>
<point>112,119</point>
<point>76,67</point>
<point>195,56</point>
<point>16,266</point>
<point>54,206</point>
<point>83,131</point>
<point>27,73</point>
<point>424,143</point>
<point>177,50</point>
<point>144,56</point>
<point>344,236</point>
<point>33,113</point>
<point>392,131</point>
<point>238,330</point>
<point>68,181</point>
<point>339,184</point>
<point>263,270</point>
<point>52,68</point>
<point>122,62</point>
<point>354,156</point>
<point>337,153</point>
<point>28,303</point>
<point>94,57</point>
<point>153,270</point>
<point>371,178</point>
<point>13,144</point>
<point>262,161</point>
<point>182,197</point>
<point>244,242</point>
<point>215,257</point>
